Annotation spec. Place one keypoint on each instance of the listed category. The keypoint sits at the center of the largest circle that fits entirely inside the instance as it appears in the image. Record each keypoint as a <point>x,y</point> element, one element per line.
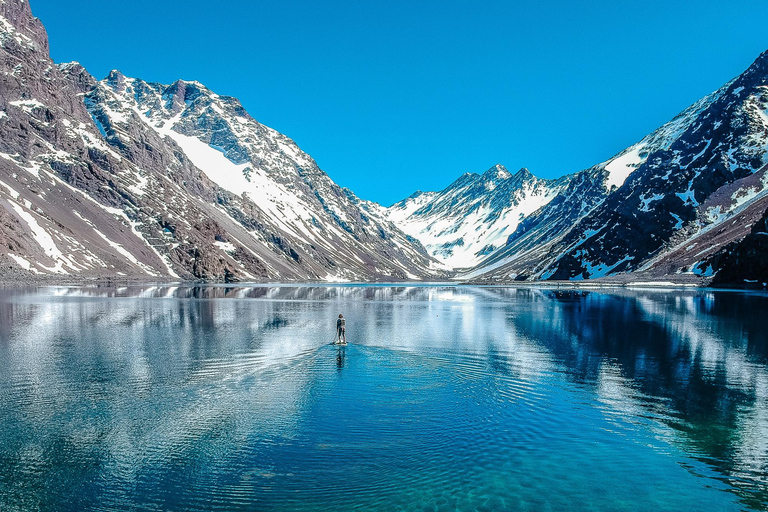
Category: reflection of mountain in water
<point>195,362</point>
<point>692,360</point>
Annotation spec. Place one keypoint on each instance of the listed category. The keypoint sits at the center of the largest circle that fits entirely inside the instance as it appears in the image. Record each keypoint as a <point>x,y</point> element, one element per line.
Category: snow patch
<point>26,265</point>
<point>601,269</point>
<point>8,31</point>
<point>139,188</point>
<point>679,223</point>
<point>44,240</point>
<point>27,106</point>
<point>11,191</point>
<point>227,247</point>
<point>127,255</point>
<point>621,167</point>
<point>646,201</point>
<point>687,197</point>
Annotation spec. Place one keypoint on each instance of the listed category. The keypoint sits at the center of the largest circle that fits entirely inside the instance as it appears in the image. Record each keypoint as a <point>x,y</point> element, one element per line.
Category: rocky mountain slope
<point>126,177</point>
<point>478,224</point>
<point>663,207</point>
<point>475,215</point>
<point>123,177</point>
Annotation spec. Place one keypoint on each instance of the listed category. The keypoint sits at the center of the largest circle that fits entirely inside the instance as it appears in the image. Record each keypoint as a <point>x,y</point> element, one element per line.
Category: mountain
<point>124,177</point>
<point>477,223</point>
<point>665,206</point>
<point>132,178</point>
<point>474,215</point>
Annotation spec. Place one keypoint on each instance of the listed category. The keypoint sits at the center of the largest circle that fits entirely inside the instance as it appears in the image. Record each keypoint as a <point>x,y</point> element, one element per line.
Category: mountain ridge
<point>565,239</point>
<point>663,202</point>
<point>108,189</point>
<point>129,178</point>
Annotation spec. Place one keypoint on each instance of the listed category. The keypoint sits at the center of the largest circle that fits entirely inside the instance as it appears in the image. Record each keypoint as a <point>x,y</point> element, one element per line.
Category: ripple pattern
<point>473,400</point>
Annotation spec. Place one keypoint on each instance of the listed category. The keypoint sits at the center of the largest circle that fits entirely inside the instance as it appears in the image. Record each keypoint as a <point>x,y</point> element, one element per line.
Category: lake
<point>218,398</point>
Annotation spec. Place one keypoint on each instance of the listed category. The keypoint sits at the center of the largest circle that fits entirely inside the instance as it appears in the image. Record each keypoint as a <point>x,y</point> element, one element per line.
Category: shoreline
<point>687,282</point>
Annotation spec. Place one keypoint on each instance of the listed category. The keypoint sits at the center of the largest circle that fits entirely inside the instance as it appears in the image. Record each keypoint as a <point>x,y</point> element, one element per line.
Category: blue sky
<point>394,96</point>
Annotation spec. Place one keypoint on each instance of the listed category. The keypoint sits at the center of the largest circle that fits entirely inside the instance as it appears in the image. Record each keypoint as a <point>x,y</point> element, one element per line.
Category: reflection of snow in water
<point>721,350</point>
<point>193,363</point>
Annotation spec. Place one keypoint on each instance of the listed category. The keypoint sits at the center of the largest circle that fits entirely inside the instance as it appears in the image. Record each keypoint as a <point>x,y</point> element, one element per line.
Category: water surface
<point>447,398</point>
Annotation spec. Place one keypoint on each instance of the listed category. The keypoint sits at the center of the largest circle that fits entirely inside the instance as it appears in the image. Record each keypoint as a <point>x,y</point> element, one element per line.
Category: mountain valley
<point>124,178</point>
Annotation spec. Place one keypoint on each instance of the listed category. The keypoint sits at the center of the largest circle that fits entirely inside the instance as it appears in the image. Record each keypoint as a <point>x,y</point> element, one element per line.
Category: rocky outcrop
<point>744,263</point>
<point>129,178</point>
<point>659,208</point>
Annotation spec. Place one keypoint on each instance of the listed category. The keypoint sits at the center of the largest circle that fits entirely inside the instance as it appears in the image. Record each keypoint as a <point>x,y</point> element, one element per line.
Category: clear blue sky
<point>398,95</point>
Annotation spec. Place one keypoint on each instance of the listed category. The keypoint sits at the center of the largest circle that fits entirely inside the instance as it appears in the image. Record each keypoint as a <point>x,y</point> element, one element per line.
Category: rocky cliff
<point>130,178</point>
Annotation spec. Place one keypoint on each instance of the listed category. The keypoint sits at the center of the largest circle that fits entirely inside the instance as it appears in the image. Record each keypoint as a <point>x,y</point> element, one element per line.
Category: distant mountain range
<point>122,177</point>
<point>688,201</point>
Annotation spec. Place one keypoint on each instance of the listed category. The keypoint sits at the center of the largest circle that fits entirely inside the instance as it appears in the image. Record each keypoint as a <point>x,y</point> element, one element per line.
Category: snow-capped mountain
<point>692,188</point>
<point>476,221</point>
<point>475,215</point>
<point>123,177</point>
<point>126,177</point>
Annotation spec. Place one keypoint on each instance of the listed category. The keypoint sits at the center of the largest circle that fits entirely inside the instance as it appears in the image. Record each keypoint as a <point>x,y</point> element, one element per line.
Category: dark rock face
<point>692,185</point>
<point>725,143</point>
<point>743,263</point>
<point>105,178</point>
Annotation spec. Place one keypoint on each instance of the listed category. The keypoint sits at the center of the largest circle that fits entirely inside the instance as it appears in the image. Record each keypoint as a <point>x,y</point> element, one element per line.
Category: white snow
<point>141,186</point>
<point>687,197</point>
<point>44,240</point>
<point>284,207</point>
<point>470,224</point>
<point>679,223</point>
<point>121,214</point>
<point>126,254</point>
<point>10,190</point>
<point>602,269</point>
<point>625,163</point>
<point>621,167</point>
<point>646,201</point>
<point>227,247</point>
<point>399,213</point>
<point>7,30</point>
<point>27,106</point>
<point>705,272</point>
<point>91,140</point>
<point>21,261</point>
<point>330,278</point>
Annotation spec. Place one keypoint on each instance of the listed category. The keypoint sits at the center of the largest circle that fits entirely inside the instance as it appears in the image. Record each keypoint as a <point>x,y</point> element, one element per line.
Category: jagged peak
<point>194,83</point>
<point>30,30</point>
<point>761,62</point>
<point>66,66</point>
<point>115,78</point>
<point>524,174</point>
<point>190,85</point>
<point>77,75</point>
<point>497,172</point>
<point>755,75</point>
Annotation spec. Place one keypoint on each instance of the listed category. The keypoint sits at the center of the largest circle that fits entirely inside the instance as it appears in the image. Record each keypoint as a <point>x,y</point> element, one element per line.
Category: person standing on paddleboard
<point>341,329</point>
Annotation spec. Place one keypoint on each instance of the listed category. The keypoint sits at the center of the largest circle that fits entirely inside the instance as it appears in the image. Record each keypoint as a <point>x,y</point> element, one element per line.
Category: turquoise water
<point>447,398</point>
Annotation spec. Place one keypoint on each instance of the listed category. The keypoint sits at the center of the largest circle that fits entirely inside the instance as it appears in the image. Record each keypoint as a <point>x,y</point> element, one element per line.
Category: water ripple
<point>230,398</point>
